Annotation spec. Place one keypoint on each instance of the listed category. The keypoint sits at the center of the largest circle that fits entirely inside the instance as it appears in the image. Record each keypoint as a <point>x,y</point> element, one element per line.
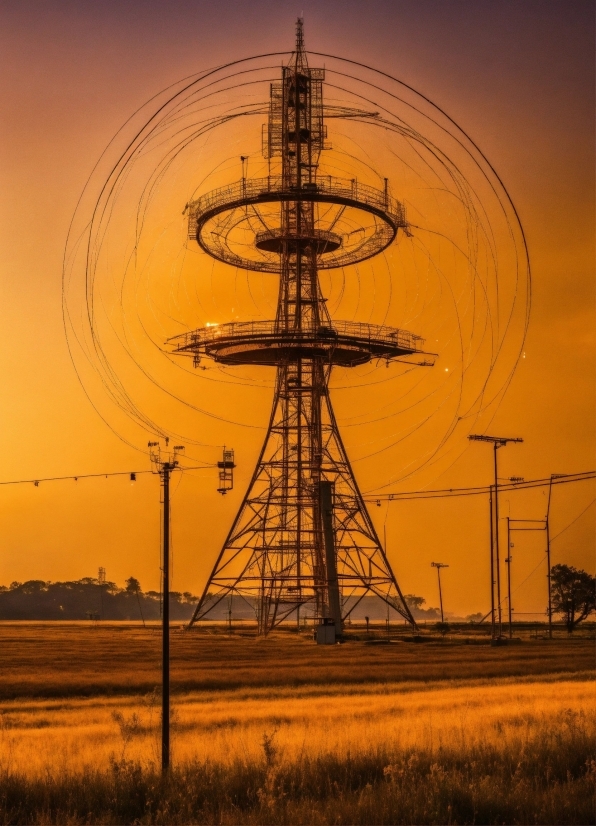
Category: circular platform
<point>345,344</point>
<point>239,224</point>
<point>274,240</point>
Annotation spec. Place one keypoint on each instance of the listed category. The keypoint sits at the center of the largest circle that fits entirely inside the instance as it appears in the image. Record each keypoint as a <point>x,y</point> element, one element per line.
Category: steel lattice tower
<point>275,553</point>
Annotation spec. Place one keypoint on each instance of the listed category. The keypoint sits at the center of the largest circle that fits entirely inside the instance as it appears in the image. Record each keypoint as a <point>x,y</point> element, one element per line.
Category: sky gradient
<point>517,77</point>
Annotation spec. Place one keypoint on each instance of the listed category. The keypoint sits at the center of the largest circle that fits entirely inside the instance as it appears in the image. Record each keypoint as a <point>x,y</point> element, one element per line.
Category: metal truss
<point>277,554</point>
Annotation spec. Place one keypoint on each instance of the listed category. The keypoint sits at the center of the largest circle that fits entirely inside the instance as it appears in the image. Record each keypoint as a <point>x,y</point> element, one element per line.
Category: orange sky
<point>517,77</point>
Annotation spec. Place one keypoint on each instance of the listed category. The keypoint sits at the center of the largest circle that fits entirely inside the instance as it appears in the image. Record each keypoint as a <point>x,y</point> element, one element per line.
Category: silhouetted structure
<point>303,536</point>
<point>495,556</point>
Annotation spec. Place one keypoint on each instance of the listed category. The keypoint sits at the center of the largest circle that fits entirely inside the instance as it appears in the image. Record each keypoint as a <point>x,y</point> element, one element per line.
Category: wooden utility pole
<point>508,561</point>
<point>492,565</point>
<point>164,468</point>
<point>497,442</point>
<point>548,574</point>
<point>167,468</point>
<point>438,566</point>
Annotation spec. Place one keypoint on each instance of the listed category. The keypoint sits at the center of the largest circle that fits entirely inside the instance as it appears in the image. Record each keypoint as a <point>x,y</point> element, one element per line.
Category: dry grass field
<point>282,731</point>
<point>59,659</point>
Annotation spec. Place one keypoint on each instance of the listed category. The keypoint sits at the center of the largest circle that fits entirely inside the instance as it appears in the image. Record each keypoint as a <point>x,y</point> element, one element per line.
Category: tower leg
<point>274,557</point>
<point>284,551</point>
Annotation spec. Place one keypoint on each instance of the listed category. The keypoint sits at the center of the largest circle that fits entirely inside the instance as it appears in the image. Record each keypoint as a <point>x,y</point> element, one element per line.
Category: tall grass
<point>482,753</point>
<point>539,777</point>
<point>280,731</point>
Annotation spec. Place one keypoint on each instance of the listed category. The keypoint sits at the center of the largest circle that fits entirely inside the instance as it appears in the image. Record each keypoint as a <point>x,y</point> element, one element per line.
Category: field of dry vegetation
<point>281,731</point>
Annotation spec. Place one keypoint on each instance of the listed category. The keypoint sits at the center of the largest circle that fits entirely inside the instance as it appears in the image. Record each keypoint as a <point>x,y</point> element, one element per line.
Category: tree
<point>573,594</point>
<point>133,586</point>
<point>415,604</point>
<point>412,601</point>
<point>33,586</point>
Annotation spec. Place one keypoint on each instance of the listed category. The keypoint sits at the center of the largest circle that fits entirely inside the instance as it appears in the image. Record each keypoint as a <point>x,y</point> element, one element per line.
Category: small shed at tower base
<point>325,632</point>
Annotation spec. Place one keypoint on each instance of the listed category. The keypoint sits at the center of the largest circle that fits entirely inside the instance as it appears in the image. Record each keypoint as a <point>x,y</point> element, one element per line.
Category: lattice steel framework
<point>274,555</point>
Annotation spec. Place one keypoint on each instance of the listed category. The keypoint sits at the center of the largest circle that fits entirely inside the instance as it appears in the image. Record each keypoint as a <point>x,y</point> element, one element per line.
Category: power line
<point>130,473</point>
<point>479,490</point>
<point>385,497</point>
<point>557,535</point>
<point>533,571</point>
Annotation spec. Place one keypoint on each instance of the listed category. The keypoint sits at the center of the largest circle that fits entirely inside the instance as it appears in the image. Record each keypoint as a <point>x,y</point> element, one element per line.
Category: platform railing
<point>326,185</point>
<point>250,330</point>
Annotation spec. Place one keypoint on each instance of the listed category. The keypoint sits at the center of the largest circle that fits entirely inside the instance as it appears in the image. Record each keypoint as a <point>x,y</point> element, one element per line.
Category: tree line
<point>87,598</point>
<point>573,596</point>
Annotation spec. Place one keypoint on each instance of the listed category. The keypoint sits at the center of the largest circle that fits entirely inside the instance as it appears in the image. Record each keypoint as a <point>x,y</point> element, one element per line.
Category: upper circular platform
<point>239,224</point>
<point>274,240</point>
<point>345,343</point>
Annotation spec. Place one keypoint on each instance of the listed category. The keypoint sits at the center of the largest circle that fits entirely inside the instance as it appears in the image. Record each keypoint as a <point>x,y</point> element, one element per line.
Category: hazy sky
<point>518,77</point>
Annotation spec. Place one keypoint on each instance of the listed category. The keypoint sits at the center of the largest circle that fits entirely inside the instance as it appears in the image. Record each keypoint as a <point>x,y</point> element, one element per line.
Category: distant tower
<point>277,554</point>
<point>101,581</point>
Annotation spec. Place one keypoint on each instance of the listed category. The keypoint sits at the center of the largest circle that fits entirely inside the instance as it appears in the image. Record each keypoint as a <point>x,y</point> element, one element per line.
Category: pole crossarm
<point>498,441</point>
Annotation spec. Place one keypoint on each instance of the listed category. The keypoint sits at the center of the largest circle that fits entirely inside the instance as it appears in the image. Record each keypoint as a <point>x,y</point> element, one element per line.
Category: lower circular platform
<point>345,344</point>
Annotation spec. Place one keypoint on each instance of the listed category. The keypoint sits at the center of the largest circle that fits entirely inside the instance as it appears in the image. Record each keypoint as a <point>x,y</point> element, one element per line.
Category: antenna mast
<point>302,538</point>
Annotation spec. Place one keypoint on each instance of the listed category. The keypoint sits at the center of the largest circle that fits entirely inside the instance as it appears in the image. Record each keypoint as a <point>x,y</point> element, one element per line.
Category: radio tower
<point>277,554</point>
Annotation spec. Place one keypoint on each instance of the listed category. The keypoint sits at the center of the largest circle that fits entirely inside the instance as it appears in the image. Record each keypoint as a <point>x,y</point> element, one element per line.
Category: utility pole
<point>548,574</point>
<point>497,442</point>
<point>529,525</point>
<point>546,523</point>
<point>508,561</point>
<point>438,566</point>
<point>164,467</point>
<point>492,564</point>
